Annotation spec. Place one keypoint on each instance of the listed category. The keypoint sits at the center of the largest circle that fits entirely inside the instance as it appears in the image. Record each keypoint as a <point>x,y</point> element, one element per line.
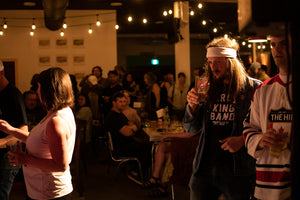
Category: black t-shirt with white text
<point>220,124</point>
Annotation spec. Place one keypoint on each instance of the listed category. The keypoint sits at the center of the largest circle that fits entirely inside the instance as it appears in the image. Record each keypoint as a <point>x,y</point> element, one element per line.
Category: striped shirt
<point>270,108</point>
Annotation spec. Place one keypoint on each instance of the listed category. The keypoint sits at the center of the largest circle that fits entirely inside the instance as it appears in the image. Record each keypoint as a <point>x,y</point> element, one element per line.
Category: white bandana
<point>221,52</point>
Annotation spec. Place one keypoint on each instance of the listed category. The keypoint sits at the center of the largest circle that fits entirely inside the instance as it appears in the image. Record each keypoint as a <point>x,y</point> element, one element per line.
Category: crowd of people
<point>235,121</point>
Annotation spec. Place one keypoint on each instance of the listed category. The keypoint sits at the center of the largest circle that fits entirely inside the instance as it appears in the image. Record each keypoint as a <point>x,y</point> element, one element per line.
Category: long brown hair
<point>236,75</point>
<point>56,89</point>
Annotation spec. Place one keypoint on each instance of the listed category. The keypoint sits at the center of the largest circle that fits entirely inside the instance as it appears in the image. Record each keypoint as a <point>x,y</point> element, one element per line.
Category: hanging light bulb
<point>145,21</point>
<point>204,22</point>
<point>215,30</point>
<point>65,25</point>
<point>243,43</point>
<point>33,26</point>
<point>31,32</point>
<point>226,36</point>
<point>98,23</point>
<point>90,29</point>
<point>129,19</point>
<point>170,12</point>
<point>117,27</point>
<point>4,24</point>
<point>192,13</point>
<point>1,33</point>
<point>62,33</point>
<point>165,13</point>
<point>200,5</point>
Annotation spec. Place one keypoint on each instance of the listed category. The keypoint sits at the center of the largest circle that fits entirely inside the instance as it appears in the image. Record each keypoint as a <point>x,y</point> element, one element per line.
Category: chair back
<point>110,142</point>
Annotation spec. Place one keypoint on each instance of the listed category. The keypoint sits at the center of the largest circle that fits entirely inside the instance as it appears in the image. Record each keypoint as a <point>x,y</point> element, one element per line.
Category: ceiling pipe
<point>54,13</point>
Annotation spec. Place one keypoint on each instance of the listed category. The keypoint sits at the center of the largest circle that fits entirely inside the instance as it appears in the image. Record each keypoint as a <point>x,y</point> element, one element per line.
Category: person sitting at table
<point>130,112</point>
<point>164,152</point>
<point>124,134</point>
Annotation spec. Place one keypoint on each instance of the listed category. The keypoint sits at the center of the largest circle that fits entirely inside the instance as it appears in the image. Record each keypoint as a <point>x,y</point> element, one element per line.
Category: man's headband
<point>221,52</point>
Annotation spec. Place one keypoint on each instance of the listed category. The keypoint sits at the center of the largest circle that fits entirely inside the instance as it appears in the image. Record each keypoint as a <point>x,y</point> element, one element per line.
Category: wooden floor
<point>105,182</point>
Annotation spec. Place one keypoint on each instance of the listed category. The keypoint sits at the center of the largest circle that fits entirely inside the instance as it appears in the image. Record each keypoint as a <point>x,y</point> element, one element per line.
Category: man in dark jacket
<point>221,164</point>
<point>12,109</point>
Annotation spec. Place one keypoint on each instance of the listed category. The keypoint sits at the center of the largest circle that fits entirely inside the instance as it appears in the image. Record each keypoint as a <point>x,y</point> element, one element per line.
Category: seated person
<point>34,111</point>
<point>123,134</point>
<point>83,111</point>
<point>130,112</point>
<point>181,144</point>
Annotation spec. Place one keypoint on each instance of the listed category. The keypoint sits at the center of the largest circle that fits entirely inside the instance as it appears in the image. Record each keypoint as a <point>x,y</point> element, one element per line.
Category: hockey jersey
<point>270,107</point>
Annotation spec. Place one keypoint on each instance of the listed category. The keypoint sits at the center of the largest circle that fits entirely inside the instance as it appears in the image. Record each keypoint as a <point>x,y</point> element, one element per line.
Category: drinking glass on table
<point>201,86</point>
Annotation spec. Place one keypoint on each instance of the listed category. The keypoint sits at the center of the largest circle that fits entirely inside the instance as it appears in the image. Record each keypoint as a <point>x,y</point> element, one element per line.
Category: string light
<point>4,24</point>
<point>243,43</point>
<point>31,32</point>
<point>33,27</point>
<point>65,25</point>
<point>130,19</point>
<point>1,33</point>
<point>98,23</point>
<point>62,33</point>
<point>90,29</point>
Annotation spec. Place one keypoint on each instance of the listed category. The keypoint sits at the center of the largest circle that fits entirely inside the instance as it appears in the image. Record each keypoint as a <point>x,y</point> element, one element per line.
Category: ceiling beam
<point>220,1</point>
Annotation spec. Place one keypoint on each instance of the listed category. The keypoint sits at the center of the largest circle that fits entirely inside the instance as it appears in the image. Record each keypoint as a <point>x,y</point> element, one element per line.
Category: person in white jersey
<point>50,144</point>
<point>269,119</point>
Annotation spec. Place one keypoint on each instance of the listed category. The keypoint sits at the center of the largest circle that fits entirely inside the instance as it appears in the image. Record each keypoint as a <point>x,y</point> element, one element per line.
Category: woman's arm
<point>57,134</point>
<point>20,133</point>
<point>156,91</point>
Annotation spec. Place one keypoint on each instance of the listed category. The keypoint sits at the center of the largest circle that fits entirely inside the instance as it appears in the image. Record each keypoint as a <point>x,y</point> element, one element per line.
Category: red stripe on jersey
<point>271,176</point>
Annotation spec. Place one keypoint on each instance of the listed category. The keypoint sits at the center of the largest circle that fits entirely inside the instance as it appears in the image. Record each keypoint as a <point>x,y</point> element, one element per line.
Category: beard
<point>218,81</point>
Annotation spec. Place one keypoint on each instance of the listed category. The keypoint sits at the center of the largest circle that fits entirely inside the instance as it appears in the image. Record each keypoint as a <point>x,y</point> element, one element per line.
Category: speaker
<point>174,30</point>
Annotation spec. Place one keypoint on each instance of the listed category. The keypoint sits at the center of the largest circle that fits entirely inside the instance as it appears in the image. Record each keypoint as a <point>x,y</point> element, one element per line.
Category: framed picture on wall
<point>44,43</point>
<point>44,60</point>
<point>62,60</point>
<point>61,43</point>
<point>78,43</point>
<point>78,59</point>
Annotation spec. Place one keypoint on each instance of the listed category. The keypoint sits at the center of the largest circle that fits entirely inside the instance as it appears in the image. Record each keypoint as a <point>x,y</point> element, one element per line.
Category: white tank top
<point>49,185</point>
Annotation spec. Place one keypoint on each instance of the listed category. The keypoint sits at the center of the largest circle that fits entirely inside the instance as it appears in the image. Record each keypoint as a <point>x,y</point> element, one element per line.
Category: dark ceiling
<point>216,13</point>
